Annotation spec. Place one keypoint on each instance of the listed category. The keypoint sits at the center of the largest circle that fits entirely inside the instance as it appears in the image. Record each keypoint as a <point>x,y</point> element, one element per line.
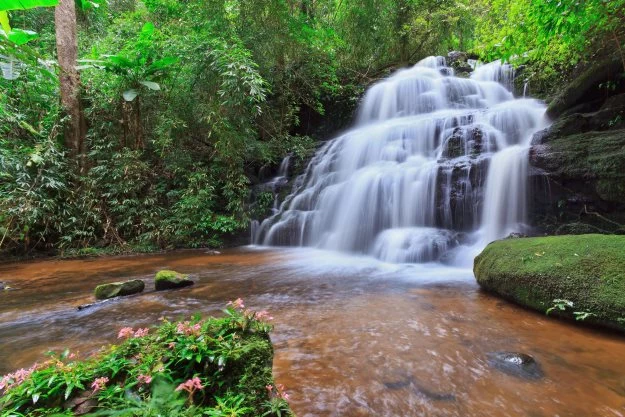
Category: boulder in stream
<point>579,277</point>
<point>118,289</point>
<point>516,364</point>
<point>167,280</point>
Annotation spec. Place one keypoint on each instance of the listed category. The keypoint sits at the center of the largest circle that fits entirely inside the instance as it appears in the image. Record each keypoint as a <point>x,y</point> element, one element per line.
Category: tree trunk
<point>401,20</point>
<point>67,52</point>
<point>132,126</point>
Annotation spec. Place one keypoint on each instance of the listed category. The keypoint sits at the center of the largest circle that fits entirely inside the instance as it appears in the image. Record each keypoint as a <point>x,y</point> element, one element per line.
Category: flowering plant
<point>202,366</point>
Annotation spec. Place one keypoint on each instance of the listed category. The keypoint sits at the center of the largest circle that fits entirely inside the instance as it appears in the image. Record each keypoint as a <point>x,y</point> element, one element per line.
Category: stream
<point>354,336</point>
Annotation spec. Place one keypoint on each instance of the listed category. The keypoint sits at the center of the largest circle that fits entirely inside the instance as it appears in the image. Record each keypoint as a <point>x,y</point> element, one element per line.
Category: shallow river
<point>353,336</point>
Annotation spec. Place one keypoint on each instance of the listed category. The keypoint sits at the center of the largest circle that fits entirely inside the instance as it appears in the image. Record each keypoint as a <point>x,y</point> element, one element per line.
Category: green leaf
<point>147,29</point>
<point>130,95</point>
<point>4,21</point>
<point>89,4</point>
<point>151,85</point>
<point>68,391</point>
<point>163,63</point>
<point>120,61</point>
<point>21,37</point>
<point>26,4</point>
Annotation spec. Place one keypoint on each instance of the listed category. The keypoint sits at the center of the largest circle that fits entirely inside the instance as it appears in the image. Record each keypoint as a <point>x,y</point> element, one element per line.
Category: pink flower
<point>191,385</point>
<point>141,332</point>
<point>71,356</point>
<point>279,392</point>
<point>263,315</point>
<point>236,304</point>
<point>125,332</point>
<point>144,379</point>
<point>187,329</point>
<point>171,345</point>
<point>99,383</point>
<point>16,378</point>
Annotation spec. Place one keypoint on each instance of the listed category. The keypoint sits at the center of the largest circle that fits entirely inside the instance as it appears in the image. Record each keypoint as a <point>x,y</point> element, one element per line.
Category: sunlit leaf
<point>21,37</point>
<point>147,29</point>
<point>26,4</point>
<point>120,61</point>
<point>4,21</point>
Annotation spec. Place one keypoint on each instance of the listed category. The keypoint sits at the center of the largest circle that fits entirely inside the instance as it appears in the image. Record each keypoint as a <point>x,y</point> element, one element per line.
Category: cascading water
<point>434,162</point>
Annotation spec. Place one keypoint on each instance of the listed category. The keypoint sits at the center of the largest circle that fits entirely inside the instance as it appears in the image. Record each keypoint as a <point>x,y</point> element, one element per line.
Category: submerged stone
<point>167,280</point>
<point>409,382</point>
<point>516,364</point>
<point>118,289</point>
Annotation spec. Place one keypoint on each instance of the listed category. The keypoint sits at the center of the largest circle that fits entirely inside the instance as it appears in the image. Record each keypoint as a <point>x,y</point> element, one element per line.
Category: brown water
<point>353,337</point>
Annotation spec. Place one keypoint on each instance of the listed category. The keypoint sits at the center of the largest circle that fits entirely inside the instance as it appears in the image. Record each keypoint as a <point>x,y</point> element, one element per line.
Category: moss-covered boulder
<point>167,280</point>
<point>585,85</point>
<point>118,289</point>
<point>584,273</point>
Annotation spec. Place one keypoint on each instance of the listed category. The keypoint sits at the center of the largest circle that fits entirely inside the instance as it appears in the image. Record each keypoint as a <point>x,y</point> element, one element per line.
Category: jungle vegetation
<point>143,123</point>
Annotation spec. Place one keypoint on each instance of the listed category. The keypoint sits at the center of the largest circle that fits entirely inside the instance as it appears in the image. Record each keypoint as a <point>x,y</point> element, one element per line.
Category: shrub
<point>211,366</point>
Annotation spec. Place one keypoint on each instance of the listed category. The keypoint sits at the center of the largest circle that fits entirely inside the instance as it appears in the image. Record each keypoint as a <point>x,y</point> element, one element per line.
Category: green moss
<point>596,157</point>
<point>166,279</point>
<point>117,289</point>
<point>588,270</point>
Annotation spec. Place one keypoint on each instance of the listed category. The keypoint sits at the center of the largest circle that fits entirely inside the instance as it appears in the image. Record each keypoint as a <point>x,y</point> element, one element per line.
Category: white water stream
<point>434,169</point>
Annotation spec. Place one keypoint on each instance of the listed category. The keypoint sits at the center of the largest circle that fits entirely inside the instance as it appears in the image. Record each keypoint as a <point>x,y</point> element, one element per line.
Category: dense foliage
<point>553,36</point>
<point>203,367</point>
<point>185,102</point>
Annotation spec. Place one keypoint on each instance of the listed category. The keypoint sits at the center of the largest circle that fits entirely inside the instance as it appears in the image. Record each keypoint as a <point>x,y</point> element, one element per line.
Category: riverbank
<point>212,366</point>
<point>579,277</point>
<point>108,251</point>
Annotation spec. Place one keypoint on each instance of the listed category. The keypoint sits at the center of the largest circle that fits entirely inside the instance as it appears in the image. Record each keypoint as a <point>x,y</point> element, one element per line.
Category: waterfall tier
<point>433,162</point>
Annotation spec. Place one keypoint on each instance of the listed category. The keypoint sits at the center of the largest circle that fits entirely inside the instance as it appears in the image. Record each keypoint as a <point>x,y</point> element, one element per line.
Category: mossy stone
<point>588,270</point>
<point>118,289</point>
<point>167,280</point>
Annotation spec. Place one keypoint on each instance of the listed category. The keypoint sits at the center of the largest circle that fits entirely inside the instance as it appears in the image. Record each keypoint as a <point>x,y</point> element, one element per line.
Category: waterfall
<point>434,163</point>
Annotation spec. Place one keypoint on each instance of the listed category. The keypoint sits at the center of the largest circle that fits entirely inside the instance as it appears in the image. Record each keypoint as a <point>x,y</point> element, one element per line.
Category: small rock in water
<point>393,385</point>
<point>97,303</point>
<point>212,252</point>
<point>2,285</point>
<point>118,289</point>
<point>167,280</point>
<point>516,364</point>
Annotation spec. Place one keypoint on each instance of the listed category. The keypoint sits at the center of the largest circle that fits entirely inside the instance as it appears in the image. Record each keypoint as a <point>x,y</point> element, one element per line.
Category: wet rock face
<point>459,62</point>
<point>118,289</point>
<point>577,179</point>
<point>578,174</point>
<point>516,364</point>
<point>577,169</point>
